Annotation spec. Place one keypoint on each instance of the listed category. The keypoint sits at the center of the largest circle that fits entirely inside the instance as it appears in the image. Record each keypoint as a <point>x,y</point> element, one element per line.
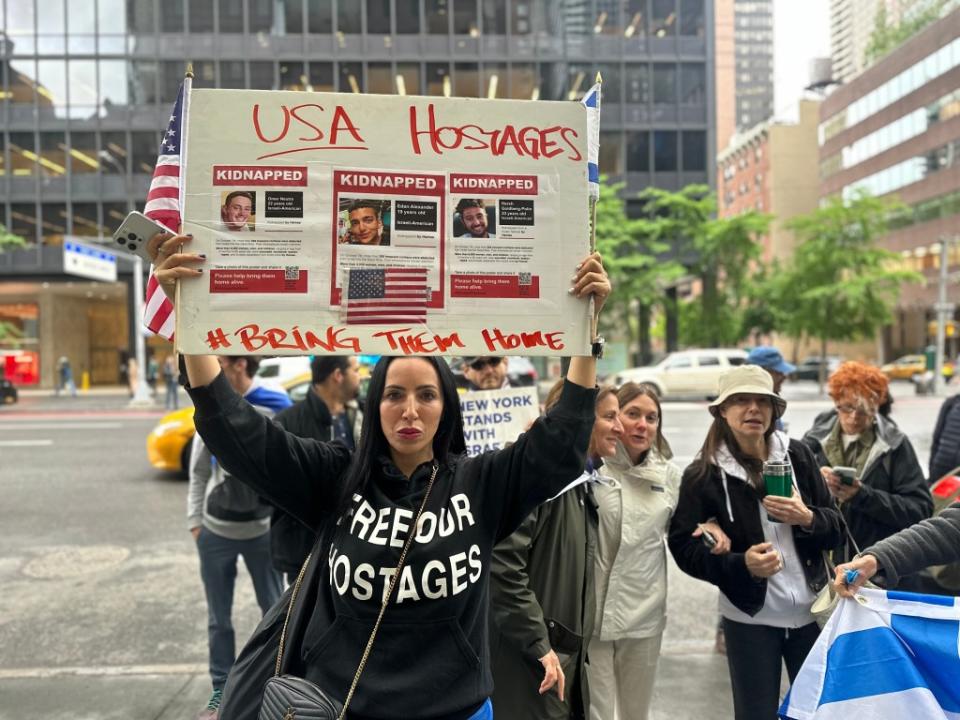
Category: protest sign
<point>342,223</point>
<point>493,418</point>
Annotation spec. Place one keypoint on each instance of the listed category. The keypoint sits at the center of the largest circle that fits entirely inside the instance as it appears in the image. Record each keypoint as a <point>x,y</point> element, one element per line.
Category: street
<point>102,613</point>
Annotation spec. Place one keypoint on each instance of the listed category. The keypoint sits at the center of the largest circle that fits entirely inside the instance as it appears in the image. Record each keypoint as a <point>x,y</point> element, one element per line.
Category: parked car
<point>689,373</point>
<point>906,367</point>
<point>168,444</point>
<point>809,369</point>
<point>8,392</point>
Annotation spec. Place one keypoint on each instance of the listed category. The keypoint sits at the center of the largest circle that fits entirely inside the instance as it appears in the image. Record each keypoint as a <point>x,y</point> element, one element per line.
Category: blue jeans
<point>218,569</point>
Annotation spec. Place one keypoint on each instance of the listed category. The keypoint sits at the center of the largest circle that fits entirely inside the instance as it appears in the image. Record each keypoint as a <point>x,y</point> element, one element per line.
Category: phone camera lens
<point>131,236</point>
<point>132,246</point>
<point>121,241</point>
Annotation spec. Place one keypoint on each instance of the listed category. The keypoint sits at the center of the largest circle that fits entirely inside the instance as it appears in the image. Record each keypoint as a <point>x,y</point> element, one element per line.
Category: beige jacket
<point>635,506</point>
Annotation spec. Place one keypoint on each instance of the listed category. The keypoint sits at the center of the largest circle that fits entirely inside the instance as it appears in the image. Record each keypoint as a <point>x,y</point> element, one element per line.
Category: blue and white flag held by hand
<point>887,656</point>
<point>592,102</point>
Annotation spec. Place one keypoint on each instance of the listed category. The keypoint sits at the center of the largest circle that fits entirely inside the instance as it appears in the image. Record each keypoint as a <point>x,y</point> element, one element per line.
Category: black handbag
<point>288,697</point>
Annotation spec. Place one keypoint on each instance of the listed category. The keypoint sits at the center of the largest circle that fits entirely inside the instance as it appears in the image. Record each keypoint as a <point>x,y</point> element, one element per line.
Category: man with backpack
<point>228,520</point>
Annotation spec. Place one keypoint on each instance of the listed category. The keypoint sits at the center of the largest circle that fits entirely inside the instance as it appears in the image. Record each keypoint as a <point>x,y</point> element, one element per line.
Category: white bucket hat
<point>747,380</point>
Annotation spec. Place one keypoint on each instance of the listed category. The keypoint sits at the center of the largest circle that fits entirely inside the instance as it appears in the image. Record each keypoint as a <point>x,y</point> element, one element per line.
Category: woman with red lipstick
<point>636,494</point>
<point>769,579</point>
<point>431,655</point>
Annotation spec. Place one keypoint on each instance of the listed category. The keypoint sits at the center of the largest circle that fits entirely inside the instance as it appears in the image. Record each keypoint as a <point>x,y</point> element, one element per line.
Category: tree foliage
<point>886,36</point>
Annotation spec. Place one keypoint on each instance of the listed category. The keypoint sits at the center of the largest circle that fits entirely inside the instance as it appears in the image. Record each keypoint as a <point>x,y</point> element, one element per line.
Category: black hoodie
<point>431,659</point>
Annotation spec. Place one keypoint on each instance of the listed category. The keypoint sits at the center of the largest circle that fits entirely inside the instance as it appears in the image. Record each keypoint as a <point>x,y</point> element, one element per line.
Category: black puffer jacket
<point>894,494</point>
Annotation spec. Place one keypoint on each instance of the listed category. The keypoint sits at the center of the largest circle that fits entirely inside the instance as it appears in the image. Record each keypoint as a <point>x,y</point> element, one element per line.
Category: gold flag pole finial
<point>599,79</point>
<point>189,72</point>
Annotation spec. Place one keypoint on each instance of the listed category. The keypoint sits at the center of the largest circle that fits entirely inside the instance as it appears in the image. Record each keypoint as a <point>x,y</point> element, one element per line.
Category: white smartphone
<point>134,232</point>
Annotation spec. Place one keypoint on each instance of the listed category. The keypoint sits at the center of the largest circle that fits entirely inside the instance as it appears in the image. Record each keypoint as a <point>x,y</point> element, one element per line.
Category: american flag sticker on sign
<point>386,295</point>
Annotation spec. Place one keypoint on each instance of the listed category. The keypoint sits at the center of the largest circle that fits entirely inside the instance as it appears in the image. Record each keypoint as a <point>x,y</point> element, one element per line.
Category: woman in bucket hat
<point>769,579</point>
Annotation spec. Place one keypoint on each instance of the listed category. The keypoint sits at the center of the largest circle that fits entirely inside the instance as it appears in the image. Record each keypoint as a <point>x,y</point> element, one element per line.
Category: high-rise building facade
<point>753,42</point>
<point>894,131</point>
<point>87,87</point>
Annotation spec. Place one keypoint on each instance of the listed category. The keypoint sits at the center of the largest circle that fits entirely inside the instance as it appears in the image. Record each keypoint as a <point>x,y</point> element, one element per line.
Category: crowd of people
<point>536,581</point>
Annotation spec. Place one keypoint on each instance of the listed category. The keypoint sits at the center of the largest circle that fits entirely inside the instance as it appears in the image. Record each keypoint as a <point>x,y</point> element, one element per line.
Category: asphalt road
<point>102,612</point>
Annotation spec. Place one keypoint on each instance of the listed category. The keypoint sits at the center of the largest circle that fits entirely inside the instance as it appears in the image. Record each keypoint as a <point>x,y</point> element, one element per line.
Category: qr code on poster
<point>291,272</point>
<point>525,278</point>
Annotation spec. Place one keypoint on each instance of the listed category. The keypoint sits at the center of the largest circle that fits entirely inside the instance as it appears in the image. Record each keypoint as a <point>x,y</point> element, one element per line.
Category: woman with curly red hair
<point>886,491</point>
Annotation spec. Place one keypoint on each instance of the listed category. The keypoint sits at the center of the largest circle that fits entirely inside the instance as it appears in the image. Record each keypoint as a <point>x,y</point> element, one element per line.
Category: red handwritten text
<point>254,339</point>
<point>419,343</point>
<point>497,340</point>
<point>308,119</point>
<point>527,141</point>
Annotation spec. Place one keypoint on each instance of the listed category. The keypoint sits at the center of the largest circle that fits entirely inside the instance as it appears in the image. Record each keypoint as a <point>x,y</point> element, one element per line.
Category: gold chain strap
<point>393,582</point>
<point>383,608</point>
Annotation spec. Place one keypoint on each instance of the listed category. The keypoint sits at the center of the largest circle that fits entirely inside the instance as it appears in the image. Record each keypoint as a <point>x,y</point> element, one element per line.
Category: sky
<point>801,32</point>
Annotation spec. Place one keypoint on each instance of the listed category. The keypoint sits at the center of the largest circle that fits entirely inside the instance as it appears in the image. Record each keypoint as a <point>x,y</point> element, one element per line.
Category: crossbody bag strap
<point>383,608</point>
<point>414,529</point>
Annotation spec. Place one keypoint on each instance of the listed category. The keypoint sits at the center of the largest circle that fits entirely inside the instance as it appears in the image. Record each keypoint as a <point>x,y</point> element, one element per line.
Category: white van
<point>277,370</point>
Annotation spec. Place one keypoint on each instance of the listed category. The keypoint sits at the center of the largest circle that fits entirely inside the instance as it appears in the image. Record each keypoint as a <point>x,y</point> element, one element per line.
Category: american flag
<point>386,295</point>
<point>163,205</point>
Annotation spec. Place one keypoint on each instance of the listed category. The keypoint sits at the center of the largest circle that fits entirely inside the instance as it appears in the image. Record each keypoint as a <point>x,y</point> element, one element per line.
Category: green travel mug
<point>778,481</point>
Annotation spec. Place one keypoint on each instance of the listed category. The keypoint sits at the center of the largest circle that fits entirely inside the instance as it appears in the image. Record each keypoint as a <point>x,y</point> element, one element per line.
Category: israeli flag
<point>885,656</point>
<point>592,102</point>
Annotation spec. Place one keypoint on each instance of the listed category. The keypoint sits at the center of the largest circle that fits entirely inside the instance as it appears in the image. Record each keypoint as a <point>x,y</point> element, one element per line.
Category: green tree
<point>632,255</point>
<point>886,37</point>
<point>8,240</point>
<point>840,285</point>
<point>722,252</point>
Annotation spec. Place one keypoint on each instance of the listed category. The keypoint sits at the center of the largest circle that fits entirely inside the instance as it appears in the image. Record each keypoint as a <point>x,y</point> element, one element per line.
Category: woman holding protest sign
<point>407,485</point>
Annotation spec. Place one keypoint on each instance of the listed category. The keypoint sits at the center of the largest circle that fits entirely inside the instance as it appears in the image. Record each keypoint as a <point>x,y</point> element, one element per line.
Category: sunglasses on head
<point>481,363</point>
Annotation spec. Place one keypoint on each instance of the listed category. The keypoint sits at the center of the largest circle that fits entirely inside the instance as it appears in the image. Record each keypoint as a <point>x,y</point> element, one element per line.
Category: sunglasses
<point>480,363</point>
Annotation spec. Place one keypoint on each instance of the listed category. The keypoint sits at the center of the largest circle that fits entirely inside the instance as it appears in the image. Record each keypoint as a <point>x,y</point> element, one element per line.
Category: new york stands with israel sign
<point>339,223</point>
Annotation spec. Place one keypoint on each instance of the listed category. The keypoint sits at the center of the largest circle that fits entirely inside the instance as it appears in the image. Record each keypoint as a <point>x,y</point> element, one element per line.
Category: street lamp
<point>141,391</point>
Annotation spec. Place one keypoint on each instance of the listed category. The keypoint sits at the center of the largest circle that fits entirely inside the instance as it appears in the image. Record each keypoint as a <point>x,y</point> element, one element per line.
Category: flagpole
<point>594,315</point>
<point>187,87</point>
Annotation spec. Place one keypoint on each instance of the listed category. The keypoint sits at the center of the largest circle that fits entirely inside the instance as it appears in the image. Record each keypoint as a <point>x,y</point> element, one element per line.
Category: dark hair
<point>323,367</point>
<point>720,434</point>
<point>469,203</point>
<point>629,392</point>
<point>373,443</point>
<point>360,204</point>
<point>253,363</point>
<point>238,193</point>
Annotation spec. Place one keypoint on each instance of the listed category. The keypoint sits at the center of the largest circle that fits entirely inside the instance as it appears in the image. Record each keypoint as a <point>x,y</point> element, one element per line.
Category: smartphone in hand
<point>847,474</point>
<point>134,232</point>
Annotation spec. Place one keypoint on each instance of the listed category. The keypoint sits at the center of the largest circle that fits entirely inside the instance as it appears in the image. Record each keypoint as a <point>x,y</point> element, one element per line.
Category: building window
<point>692,18</point>
<point>665,150</point>
<point>438,17</point>
<point>694,150</point>
<point>663,22</point>
<point>638,151</point>
<point>231,15</point>
<point>408,17</point>
<point>664,84</point>
<point>319,16</point>
<point>378,17</point>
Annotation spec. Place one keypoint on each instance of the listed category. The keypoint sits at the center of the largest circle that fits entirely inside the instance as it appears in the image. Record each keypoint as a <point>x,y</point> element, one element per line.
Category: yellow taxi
<point>904,368</point>
<point>168,444</point>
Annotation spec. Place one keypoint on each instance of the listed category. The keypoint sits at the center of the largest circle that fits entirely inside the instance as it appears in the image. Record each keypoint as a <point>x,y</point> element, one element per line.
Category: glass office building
<point>87,87</point>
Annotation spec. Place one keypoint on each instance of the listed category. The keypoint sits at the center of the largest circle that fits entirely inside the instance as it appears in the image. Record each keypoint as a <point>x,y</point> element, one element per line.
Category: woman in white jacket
<point>636,496</point>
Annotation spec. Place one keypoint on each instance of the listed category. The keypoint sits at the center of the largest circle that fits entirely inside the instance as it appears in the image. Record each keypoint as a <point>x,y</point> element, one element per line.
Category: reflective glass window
<point>52,85</point>
<point>407,80</point>
<point>23,154</point>
<point>494,17</point>
<point>144,79</point>
<point>695,150</point>
<point>261,75</point>
<point>608,21</point>
<point>579,80</point>
<point>144,147</point>
<point>349,17</point>
<point>260,15</point>
<point>380,78</point>
<point>172,16</point>
<point>53,223</point>
<point>635,18</point>
<point>467,80</point>
<point>408,17</point>
<point>290,17</point>
<point>292,75</point>
<point>201,15</point>
<point>638,151</point>
<point>438,16</point>
<point>171,75</point>
<point>231,16</point>
<point>113,215</point>
<point>692,18</point>
<point>351,77</point>
<point>24,221</point>
<point>493,83</point>
<point>665,150</point>
<point>611,153</point>
<point>114,86</point>
<point>84,219</point>
<point>114,153</point>
<point>320,17</point>
<point>438,79</point>
<point>321,77</point>
<point>638,84</point>
<point>465,17</point>
<point>50,16</point>
<point>664,83</point>
<point>663,20</point>
<point>20,19</point>
<point>22,79</point>
<point>693,84</point>
<point>523,81</point>
<point>83,156</point>
<point>378,17</point>
<point>232,75</point>
<point>611,82</point>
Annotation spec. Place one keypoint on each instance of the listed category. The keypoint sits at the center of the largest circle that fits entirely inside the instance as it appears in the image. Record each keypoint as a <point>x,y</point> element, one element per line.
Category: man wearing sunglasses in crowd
<point>486,373</point>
